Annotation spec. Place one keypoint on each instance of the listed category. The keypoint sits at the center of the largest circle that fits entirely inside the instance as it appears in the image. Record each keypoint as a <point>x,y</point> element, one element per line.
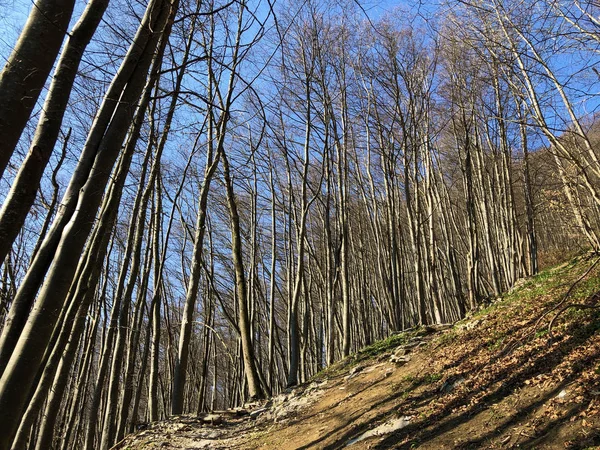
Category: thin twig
<point>572,305</point>
<point>513,345</point>
<point>568,293</point>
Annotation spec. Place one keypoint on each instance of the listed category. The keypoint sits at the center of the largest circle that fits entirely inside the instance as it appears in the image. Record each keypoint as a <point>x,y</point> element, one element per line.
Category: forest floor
<point>499,379</point>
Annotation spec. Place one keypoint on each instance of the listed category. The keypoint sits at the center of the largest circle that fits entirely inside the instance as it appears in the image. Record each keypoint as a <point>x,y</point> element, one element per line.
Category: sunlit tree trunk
<point>27,68</point>
<point>27,182</point>
<point>25,360</point>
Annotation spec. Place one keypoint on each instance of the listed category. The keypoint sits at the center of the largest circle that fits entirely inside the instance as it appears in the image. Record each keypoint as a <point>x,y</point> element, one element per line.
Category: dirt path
<point>349,408</point>
<point>495,381</point>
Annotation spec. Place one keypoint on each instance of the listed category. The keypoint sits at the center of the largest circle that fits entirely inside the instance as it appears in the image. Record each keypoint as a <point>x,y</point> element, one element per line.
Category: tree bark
<point>27,182</point>
<point>19,375</point>
<point>24,75</point>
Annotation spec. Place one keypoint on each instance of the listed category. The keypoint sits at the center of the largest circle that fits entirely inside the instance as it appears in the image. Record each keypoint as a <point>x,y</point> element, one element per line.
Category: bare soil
<point>497,380</point>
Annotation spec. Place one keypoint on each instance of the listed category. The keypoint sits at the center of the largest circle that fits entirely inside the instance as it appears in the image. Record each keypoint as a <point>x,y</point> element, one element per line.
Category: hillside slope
<point>498,379</point>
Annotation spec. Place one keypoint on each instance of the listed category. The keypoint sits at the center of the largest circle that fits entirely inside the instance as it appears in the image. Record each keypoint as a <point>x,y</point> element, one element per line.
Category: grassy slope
<point>496,380</point>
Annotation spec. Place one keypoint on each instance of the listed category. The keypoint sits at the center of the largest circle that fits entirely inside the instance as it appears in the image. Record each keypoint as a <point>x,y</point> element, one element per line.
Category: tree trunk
<point>241,288</point>
<point>27,68</point>
<point>19,375</point>
<point>26,184</point>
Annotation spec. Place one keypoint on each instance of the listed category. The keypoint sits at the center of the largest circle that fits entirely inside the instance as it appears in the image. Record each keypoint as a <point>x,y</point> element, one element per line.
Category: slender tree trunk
<point>181,361</point>
<point>27,68</point>
<point>241,288</point>
<point>26,184</point>
<point>19,375</point>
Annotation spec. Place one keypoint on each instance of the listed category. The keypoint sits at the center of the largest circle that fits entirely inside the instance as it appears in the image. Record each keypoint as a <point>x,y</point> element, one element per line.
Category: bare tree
<point>27,68</point>
<point>26,184</point>
<point>103,146</point>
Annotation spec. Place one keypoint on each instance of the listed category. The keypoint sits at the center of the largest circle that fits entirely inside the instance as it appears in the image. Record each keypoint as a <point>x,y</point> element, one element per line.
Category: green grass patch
<point>587,287</point>
<point>496,340</point>
<point>572,314</point>
<point>541,333</point>
<point>431,378</point>
<point>334,370</point>
<point>409,378</point>
<point>369,352</point>
<point>381,347</point>
<point>544,283</point>
<point>415,382</point>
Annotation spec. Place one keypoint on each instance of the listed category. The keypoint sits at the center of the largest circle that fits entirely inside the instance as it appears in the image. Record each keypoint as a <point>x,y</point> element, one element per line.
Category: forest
<point>207,202</point>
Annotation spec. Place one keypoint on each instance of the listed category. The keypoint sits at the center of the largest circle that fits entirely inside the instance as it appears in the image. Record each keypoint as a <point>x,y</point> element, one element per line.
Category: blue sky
<point>13,14</point>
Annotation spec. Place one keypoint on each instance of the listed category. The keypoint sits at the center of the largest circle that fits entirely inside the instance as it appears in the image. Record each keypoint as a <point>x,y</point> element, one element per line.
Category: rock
<point>373,368</point>
<point>278,414</point>
<point>287,403</point>
<point>315,385</point>
<point>257,412</point>
<point>203,444</point>
<point>399,359</point>
<point>401,351</point>
<point>562,394</point>
<point>467,326</point>
<point>213,419</point>
<point>281,398</point>
<point>353,372</point>
<point>382,357</point>
<point>450,385</point>
<point>356,369</point>
<point>411,345</point>
<point>386,428</point>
